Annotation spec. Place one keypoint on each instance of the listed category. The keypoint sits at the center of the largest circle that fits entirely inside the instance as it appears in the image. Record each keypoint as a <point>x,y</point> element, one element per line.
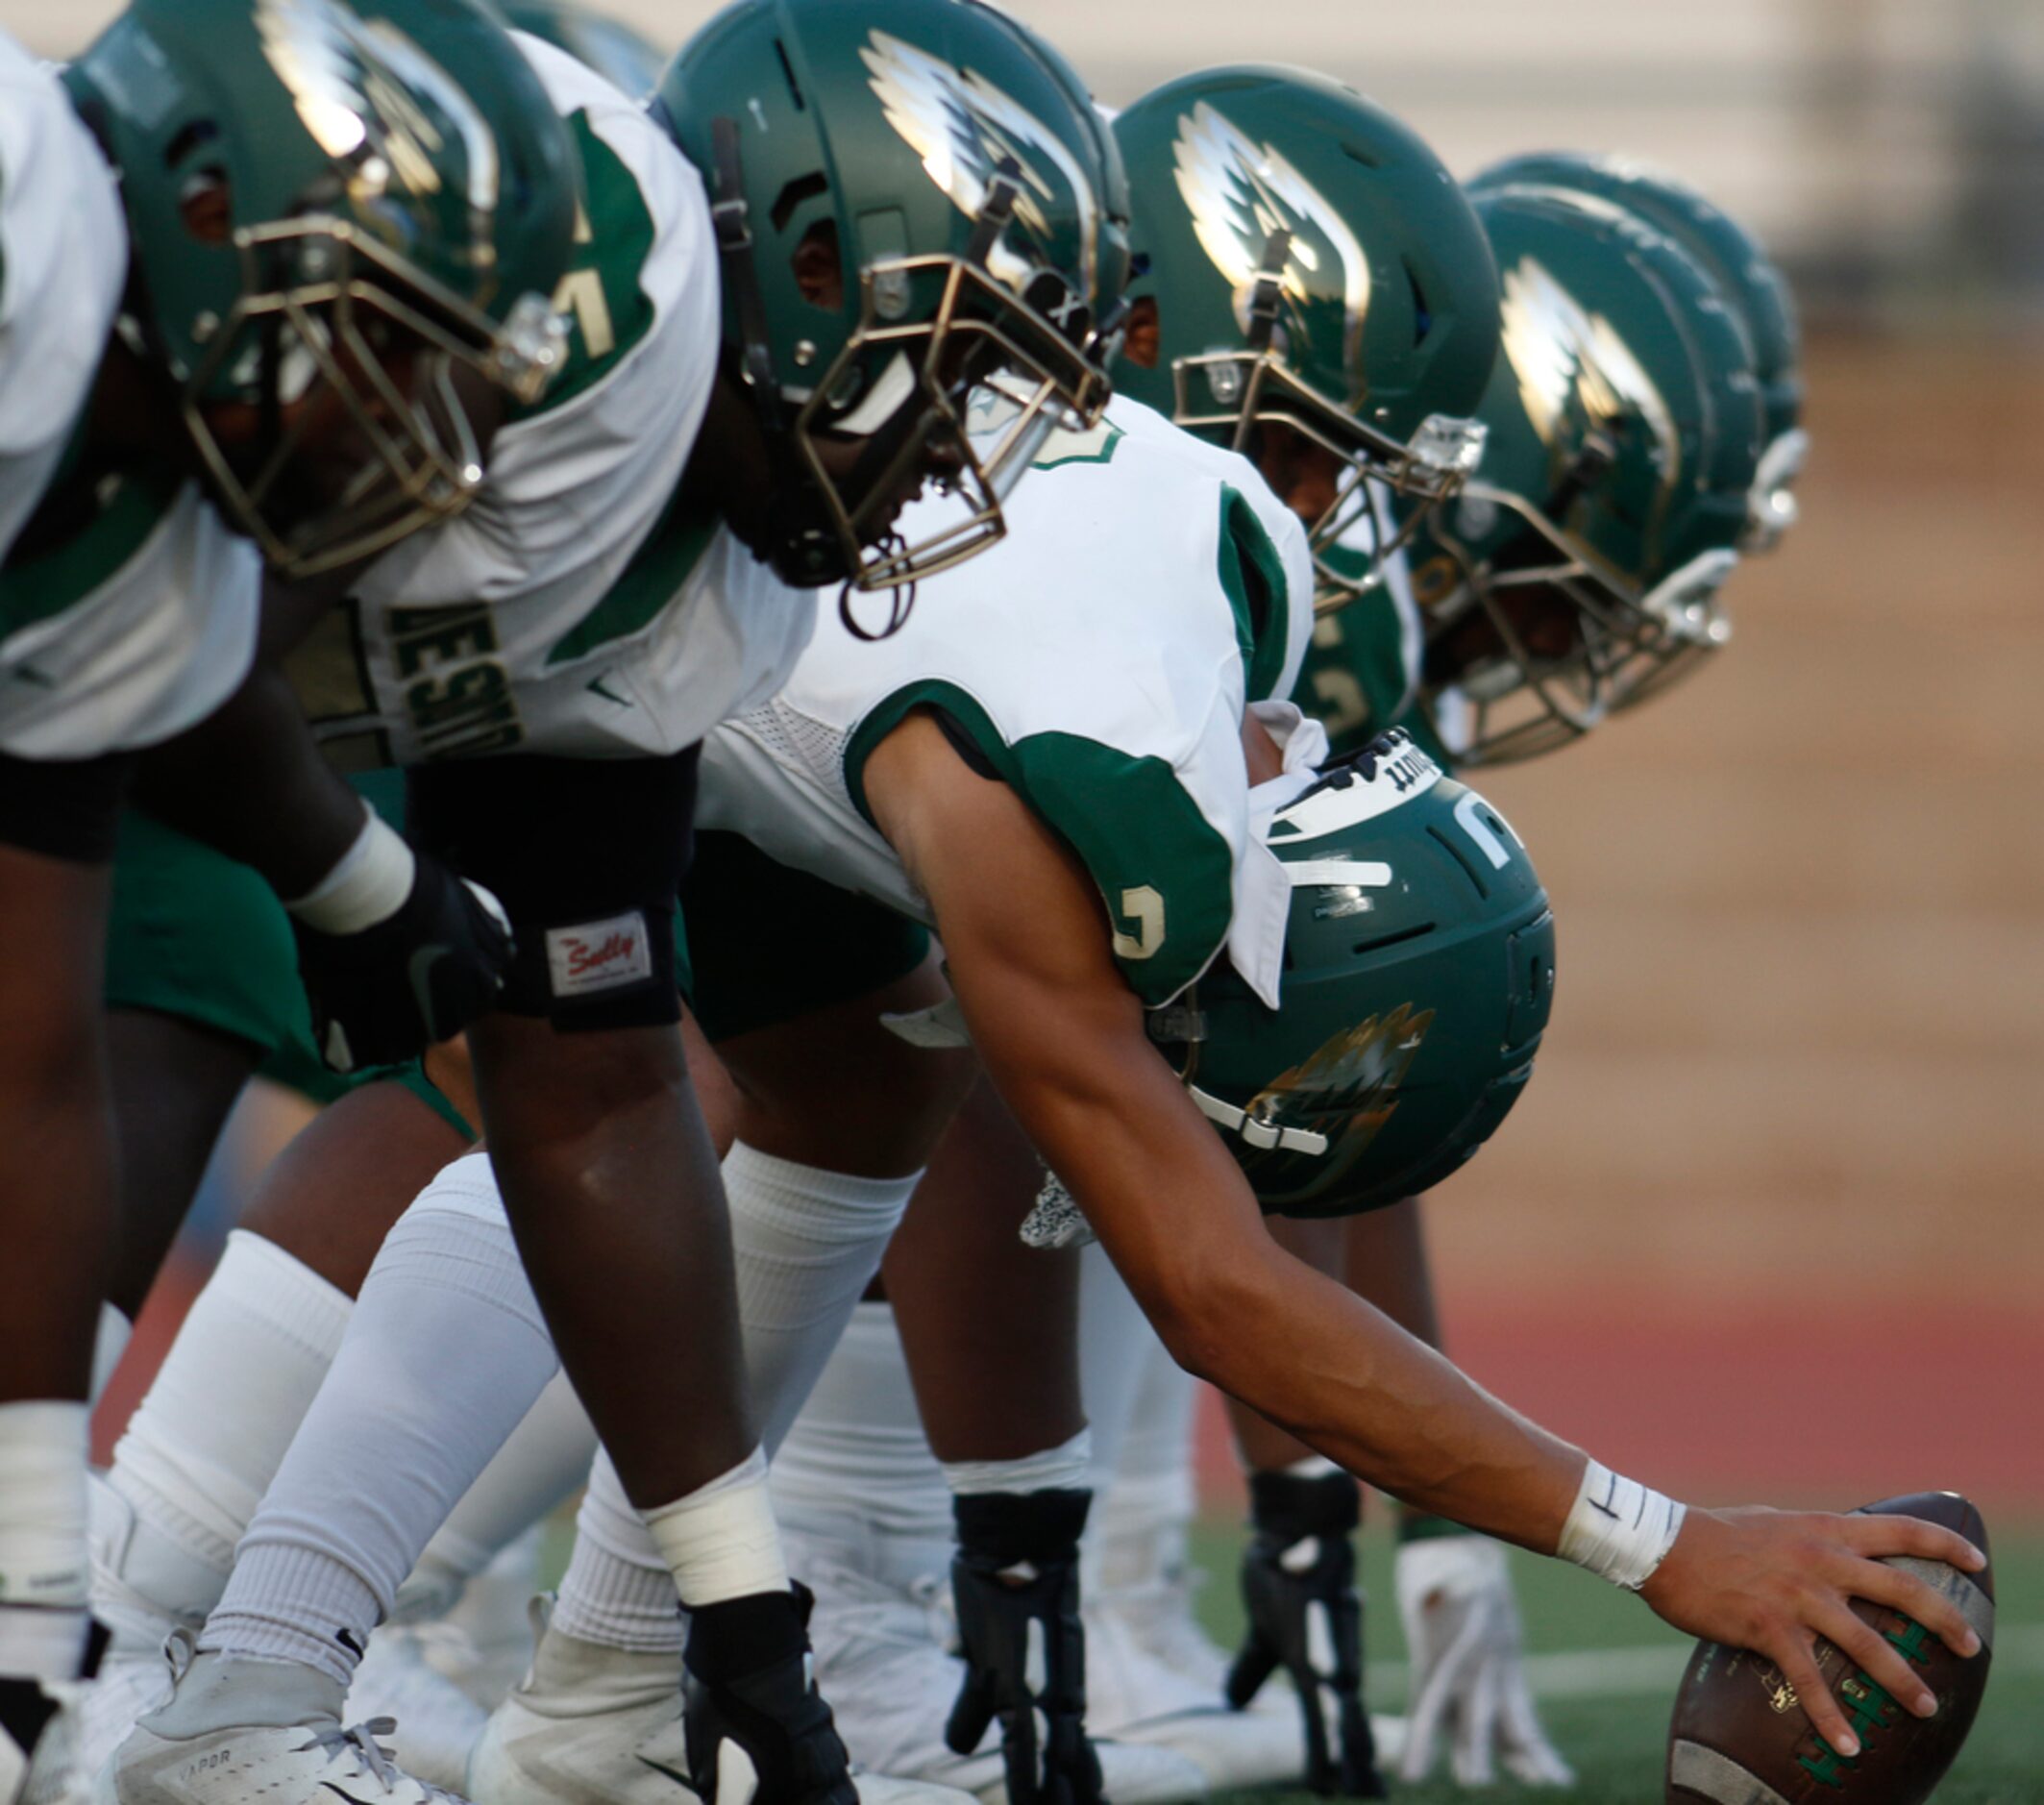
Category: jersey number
<point>1143,907</point>
<point>1476,818</point>
<point>581,295</point>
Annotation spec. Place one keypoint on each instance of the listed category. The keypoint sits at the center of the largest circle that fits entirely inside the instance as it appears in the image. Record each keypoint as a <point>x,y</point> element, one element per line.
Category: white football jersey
<point>576,609</point>
<point>1101,658</point>
<point>141,623</point>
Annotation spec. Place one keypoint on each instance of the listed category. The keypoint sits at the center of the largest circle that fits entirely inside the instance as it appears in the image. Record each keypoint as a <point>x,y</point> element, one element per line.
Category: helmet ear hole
<point>206,205</point>
<point>1141,344</point>
<point>1423,315</point>
<point>819,266</point>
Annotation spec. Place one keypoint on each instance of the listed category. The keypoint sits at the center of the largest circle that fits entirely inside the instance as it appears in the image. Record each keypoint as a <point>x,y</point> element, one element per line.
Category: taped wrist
<point>1617,1528</point>
<point>1064,1468</point>
<point>367,884</point>
<point>720,1542</point>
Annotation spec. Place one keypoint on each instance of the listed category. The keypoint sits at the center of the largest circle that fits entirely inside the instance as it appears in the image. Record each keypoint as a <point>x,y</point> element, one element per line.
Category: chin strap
<point>732,221</point>
<point>801,542</point>
<point>1269,292</point>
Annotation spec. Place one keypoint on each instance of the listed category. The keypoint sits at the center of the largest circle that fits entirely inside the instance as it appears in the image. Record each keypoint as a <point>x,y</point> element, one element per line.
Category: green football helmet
<point>1313,266</point>
<point>948,170</point>
<point>324,196</point>
<point>1748,276</point>
<point>1417,980</point>
<point>609,46</point>
<point>1581,567</point>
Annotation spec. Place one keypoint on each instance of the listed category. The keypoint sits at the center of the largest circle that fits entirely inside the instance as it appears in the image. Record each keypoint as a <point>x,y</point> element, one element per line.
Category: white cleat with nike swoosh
<point>239,1732</point>
<point>595,1725</point>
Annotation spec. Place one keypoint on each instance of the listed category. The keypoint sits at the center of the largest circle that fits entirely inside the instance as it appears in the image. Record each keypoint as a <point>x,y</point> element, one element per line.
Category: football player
<point>247,315</point>
<point>1574,538</point>
<point>544,670</point>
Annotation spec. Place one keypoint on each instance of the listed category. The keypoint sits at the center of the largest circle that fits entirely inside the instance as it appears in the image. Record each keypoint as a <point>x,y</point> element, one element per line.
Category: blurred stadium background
<point>1771,1222</point>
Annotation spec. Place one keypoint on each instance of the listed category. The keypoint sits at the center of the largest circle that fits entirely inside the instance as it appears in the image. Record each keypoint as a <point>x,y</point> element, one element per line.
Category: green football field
<point>1605,1669</point>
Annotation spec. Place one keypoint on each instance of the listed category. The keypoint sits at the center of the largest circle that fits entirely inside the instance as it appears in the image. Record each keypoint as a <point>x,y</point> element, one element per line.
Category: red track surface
<point>1750,1399</point>
<point>1742,1400</point>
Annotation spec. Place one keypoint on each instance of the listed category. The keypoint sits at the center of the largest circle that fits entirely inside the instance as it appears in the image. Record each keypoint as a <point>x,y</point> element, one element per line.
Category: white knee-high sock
<point>203,1447</point>
<point>1141,1525</point>
<point>1113,1335</point>
<point>617,1590</point>
<point>807,1242</point>
<point>547,1457</point>
<point>854,1482</point>
<point>443,1357</point>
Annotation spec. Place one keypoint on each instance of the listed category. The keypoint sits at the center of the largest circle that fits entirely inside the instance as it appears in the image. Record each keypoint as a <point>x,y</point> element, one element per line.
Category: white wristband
<point>720,1542</point>
<point>1064,1468</point>
<point>367,885</point>
<point>1617,1528</point>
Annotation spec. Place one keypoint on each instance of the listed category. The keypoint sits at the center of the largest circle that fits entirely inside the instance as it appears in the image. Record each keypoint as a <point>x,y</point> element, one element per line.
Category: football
<point>1740,1736</point>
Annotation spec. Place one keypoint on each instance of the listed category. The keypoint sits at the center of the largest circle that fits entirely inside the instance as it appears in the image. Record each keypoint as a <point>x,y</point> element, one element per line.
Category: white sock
<point>546,1459</point>
<point>807,1243</point>
<point>202,1448</point>
<point>445,1354</point>
<point>617,1590</point>
<point>1141,1525</point>
<point>108,1342</point>
<point>42,1538</point>
<point>1113,1340</point>
<point>855,1482</point>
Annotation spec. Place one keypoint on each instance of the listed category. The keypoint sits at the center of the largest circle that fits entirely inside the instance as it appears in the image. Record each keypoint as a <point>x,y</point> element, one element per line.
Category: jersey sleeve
<point>1164,871</point>
<point>64,258</point>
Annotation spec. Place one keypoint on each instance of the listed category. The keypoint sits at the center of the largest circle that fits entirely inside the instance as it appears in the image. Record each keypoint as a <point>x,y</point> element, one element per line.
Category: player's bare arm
<point>1062,1038</point>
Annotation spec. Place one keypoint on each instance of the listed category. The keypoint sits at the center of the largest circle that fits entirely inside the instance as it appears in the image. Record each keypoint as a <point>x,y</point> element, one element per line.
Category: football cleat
<point>593,1725</point>
<point>237,1732</point>
<point>881,1658</point>
<point>1158,1677</point>
<point>1136,1698</point>
<point>145,1591</point>
<point>438,1723</point>
<point>571,1732</point>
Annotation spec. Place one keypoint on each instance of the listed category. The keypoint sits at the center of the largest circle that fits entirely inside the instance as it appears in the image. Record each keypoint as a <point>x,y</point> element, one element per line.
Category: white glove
<point>1469,1673</point>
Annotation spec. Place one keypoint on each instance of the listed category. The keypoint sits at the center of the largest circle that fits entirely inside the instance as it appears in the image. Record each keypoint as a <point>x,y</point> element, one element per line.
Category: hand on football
<point>1468,1671</point>
<point>1774,1581</point>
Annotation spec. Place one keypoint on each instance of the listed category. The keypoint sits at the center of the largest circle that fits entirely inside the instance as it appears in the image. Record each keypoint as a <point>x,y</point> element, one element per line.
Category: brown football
<point>1740,1738</point>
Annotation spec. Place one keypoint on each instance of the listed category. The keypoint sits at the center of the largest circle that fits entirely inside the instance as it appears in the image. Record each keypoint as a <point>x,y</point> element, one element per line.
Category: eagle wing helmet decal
<point>964,129</point>
<point>1239,193</point>
<point>1558,349</point>
<point>355,82</point>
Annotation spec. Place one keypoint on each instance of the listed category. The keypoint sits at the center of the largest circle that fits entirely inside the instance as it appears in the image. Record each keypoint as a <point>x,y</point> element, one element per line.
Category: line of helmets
<point>1535,420</point>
